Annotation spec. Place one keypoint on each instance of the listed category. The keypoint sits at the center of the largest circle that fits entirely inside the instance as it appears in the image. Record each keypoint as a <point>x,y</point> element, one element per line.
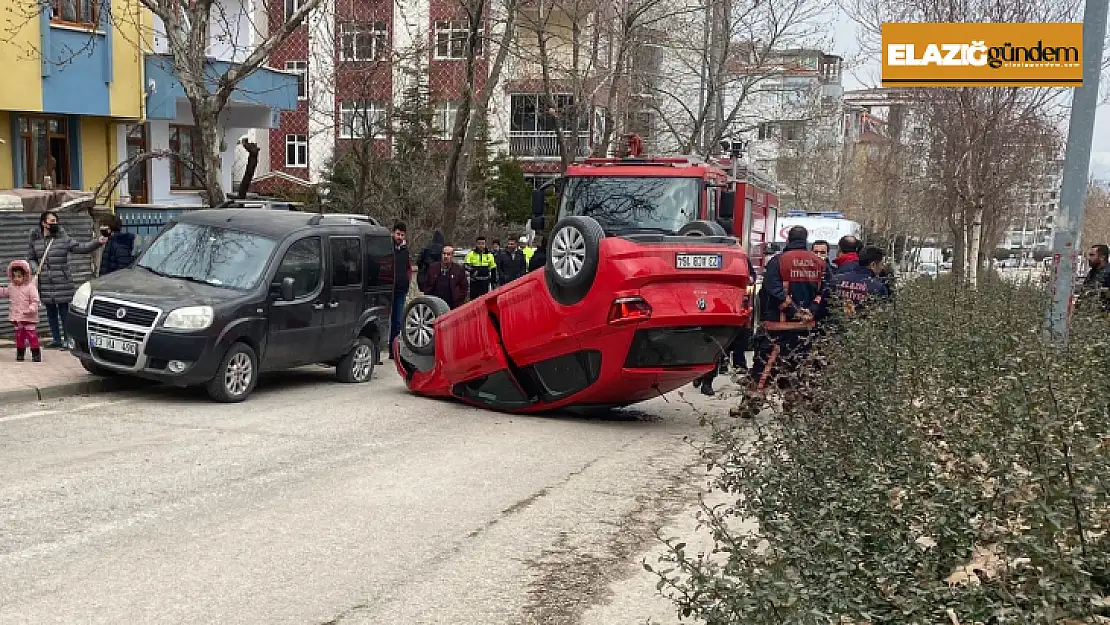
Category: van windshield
<point>623,205</point>
<point>216,256</point>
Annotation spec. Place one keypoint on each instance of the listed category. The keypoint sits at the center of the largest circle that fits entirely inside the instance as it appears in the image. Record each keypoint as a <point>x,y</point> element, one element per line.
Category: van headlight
<point>189,318</point>
<point>80,300</point>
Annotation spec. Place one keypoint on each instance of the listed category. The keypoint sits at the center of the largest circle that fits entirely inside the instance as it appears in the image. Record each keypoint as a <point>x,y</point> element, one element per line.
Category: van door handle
<point>318,306</point>
<point>333,304</point>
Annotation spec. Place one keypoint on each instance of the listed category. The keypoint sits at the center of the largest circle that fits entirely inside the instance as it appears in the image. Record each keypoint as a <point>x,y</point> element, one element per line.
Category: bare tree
<point>1096,217</point>
<point>983,141</point>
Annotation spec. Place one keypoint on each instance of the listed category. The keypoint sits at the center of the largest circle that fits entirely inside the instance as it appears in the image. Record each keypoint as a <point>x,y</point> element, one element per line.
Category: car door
<point>296,325</point>
<point>343,303</point>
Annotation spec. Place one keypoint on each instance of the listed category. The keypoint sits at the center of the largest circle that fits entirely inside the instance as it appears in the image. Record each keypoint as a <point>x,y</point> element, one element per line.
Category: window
<point>451,38</point>
<point>363,41</point>
<point>765,131</point>
<point>301,68</point>
<point>444,122</point>
<point>45,150</point>
<point>296,150</point>
<point>379,260</point>
<point>497,390</point>
<point>646,64</point>
<point>304,262</point>
<point>83,12</point>
<point>292,6</point>
<point>531,113</point>
<point>361,120</point>
<point>346,261</point>
<point>793,131</point>
<point>567,374</point>
<point>216,256</point>
<point>185,170</point>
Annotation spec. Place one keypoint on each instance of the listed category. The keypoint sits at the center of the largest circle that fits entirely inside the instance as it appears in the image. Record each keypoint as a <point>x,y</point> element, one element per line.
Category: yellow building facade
<point>71,74</point>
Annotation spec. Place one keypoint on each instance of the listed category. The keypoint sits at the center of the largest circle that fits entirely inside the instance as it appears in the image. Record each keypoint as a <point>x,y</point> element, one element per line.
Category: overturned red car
<point>641,292</point>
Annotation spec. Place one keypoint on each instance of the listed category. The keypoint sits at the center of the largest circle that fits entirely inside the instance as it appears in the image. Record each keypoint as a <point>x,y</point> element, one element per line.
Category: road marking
<point>29,415</point>
<point>46,413</point>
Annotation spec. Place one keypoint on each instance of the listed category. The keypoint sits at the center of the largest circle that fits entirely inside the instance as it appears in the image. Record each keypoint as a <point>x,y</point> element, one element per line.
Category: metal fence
<point>15,235</point>
<point>146,222</point>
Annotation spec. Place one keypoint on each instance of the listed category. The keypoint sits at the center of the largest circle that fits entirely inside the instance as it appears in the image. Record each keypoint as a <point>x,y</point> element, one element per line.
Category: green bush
<point>946,467</point>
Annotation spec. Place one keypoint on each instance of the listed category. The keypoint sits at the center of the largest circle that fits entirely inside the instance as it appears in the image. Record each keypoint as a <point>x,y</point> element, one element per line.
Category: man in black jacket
<point>512,263</point>
<point>402,276</point>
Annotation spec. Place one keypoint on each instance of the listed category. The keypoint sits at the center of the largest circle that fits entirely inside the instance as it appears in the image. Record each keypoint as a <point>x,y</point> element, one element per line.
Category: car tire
<point>418,327</point>
<point>702,228</point>
<point>96,369</point>
<point>236,376</point>
<point>573,255</point>
<point>358,365</point>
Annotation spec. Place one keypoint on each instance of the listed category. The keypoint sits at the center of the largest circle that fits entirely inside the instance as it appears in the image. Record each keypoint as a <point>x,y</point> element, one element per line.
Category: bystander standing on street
<point>402,276</point>
<point>48,251</point>
<point>539,256</point>
<point>513,263</point>
<point>445,279</point>
<point>23,309</point>
<point>1094,293</point>
<point>119,251</point>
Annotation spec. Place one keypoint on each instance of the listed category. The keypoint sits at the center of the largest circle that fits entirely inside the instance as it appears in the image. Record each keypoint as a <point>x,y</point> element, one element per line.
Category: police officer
<point>481,264</point>
<point>795,287</point>
<point>858,286</point>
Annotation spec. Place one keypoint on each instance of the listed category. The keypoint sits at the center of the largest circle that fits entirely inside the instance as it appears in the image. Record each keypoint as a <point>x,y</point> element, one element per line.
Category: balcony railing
<point>545,145</point>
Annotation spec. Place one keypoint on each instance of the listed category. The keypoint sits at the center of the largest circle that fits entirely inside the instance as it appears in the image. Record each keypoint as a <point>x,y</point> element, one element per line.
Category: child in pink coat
<point>23,309</point>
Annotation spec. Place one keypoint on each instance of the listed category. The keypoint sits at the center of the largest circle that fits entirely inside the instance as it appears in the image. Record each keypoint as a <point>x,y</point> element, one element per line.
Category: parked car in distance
<point>223,295</point>
<point>927,269</point>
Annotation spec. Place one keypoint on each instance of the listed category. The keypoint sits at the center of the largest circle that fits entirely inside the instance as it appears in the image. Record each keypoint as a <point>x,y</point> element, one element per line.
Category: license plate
<point>698,261</point>
<point>130,348</point>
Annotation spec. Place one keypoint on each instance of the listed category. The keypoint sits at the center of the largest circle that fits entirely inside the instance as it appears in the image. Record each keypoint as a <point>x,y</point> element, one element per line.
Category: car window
<point>379,260</point>
<point>346,261</point>
<point>496,390</point>
<point>304,263</point>
<point>567,374</point>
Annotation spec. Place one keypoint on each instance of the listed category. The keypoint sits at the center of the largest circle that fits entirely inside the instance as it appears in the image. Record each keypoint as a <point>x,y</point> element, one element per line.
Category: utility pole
<point>1077,163</point>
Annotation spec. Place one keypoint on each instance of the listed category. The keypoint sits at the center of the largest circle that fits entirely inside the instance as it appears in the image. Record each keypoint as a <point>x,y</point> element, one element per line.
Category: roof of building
<point>271,223</point>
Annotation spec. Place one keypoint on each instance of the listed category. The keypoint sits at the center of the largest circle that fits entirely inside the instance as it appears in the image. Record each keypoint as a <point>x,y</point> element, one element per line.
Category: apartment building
<point>357,58</point>
<point>1032,228</point>
<point>72,76</point>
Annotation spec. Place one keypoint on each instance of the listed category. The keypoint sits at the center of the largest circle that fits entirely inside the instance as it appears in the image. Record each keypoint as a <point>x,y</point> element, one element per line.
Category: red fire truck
<point>684,195</point>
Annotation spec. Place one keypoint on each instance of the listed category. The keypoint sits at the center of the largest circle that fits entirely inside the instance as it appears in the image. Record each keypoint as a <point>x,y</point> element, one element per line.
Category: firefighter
<point>481,264</point>
<point>795,288</point>
<point>854,289</point>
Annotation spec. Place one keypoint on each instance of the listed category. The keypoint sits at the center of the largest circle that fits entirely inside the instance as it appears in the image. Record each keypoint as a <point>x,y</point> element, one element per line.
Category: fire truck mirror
<point>538,223</point>
<point>538,202</point>
<point>727,209</point>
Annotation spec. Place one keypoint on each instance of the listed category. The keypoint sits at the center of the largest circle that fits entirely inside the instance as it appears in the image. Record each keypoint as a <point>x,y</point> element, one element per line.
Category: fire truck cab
<point>682,195</point>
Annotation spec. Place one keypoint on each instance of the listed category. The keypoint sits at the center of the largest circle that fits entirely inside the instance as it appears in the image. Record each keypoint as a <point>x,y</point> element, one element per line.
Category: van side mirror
<point>539,203</point>
<point>727,207</point>
<point>288,293</point>
<point>538,223</point>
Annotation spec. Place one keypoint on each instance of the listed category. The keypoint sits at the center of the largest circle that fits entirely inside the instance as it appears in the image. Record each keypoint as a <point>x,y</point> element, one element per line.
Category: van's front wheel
<point>237,375</point>
<point>358,365</point>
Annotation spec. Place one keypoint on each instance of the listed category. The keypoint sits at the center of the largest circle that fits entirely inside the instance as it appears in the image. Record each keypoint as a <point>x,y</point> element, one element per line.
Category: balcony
<point>544,145</point>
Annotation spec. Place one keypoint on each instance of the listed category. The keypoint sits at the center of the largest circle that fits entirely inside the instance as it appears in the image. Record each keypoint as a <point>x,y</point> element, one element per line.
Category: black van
<point>223,295</point>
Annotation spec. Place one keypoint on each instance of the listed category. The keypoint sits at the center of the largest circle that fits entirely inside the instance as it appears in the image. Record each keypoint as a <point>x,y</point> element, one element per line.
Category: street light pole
<point>1077,163</point>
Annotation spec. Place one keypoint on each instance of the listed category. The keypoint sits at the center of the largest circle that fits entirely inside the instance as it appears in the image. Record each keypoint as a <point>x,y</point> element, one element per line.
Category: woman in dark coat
<point>56,287</point>
<point>120,249</point>
<point>430,254</point>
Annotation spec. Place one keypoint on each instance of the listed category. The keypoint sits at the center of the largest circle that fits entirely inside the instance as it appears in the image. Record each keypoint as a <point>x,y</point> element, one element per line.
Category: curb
<point>90,386</point>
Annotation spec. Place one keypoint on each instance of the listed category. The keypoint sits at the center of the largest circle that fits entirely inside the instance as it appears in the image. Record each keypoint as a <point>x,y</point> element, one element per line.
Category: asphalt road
<point>316,502</point>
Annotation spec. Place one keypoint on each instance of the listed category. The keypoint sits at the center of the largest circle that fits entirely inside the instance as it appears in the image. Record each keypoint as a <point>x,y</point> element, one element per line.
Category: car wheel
<point>96,369</point>
<point>573,254</point>
<point>237,375</point>
<point>358,365</point>
<point>702,229</point>
<point>418,330</point>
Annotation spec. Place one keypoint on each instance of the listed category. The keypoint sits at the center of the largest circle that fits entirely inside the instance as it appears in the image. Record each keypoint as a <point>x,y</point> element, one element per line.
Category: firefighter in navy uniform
<point>795,290</point>
<point>853,290</point>
<point>481,264</point>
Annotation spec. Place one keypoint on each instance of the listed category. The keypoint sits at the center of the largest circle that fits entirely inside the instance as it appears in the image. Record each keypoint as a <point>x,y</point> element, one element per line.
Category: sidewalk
<point>58,375</point>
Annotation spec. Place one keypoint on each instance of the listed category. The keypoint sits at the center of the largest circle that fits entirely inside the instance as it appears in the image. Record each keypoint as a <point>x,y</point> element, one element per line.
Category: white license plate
<point>698,261</point>
<point>130,348</point>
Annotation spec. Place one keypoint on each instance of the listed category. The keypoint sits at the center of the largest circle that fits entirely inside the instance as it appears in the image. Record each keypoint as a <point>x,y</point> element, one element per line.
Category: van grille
<point>133,315</point>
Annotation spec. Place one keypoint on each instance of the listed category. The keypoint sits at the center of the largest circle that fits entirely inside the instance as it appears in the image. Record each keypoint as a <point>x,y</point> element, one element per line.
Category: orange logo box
<point>983,55</point>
